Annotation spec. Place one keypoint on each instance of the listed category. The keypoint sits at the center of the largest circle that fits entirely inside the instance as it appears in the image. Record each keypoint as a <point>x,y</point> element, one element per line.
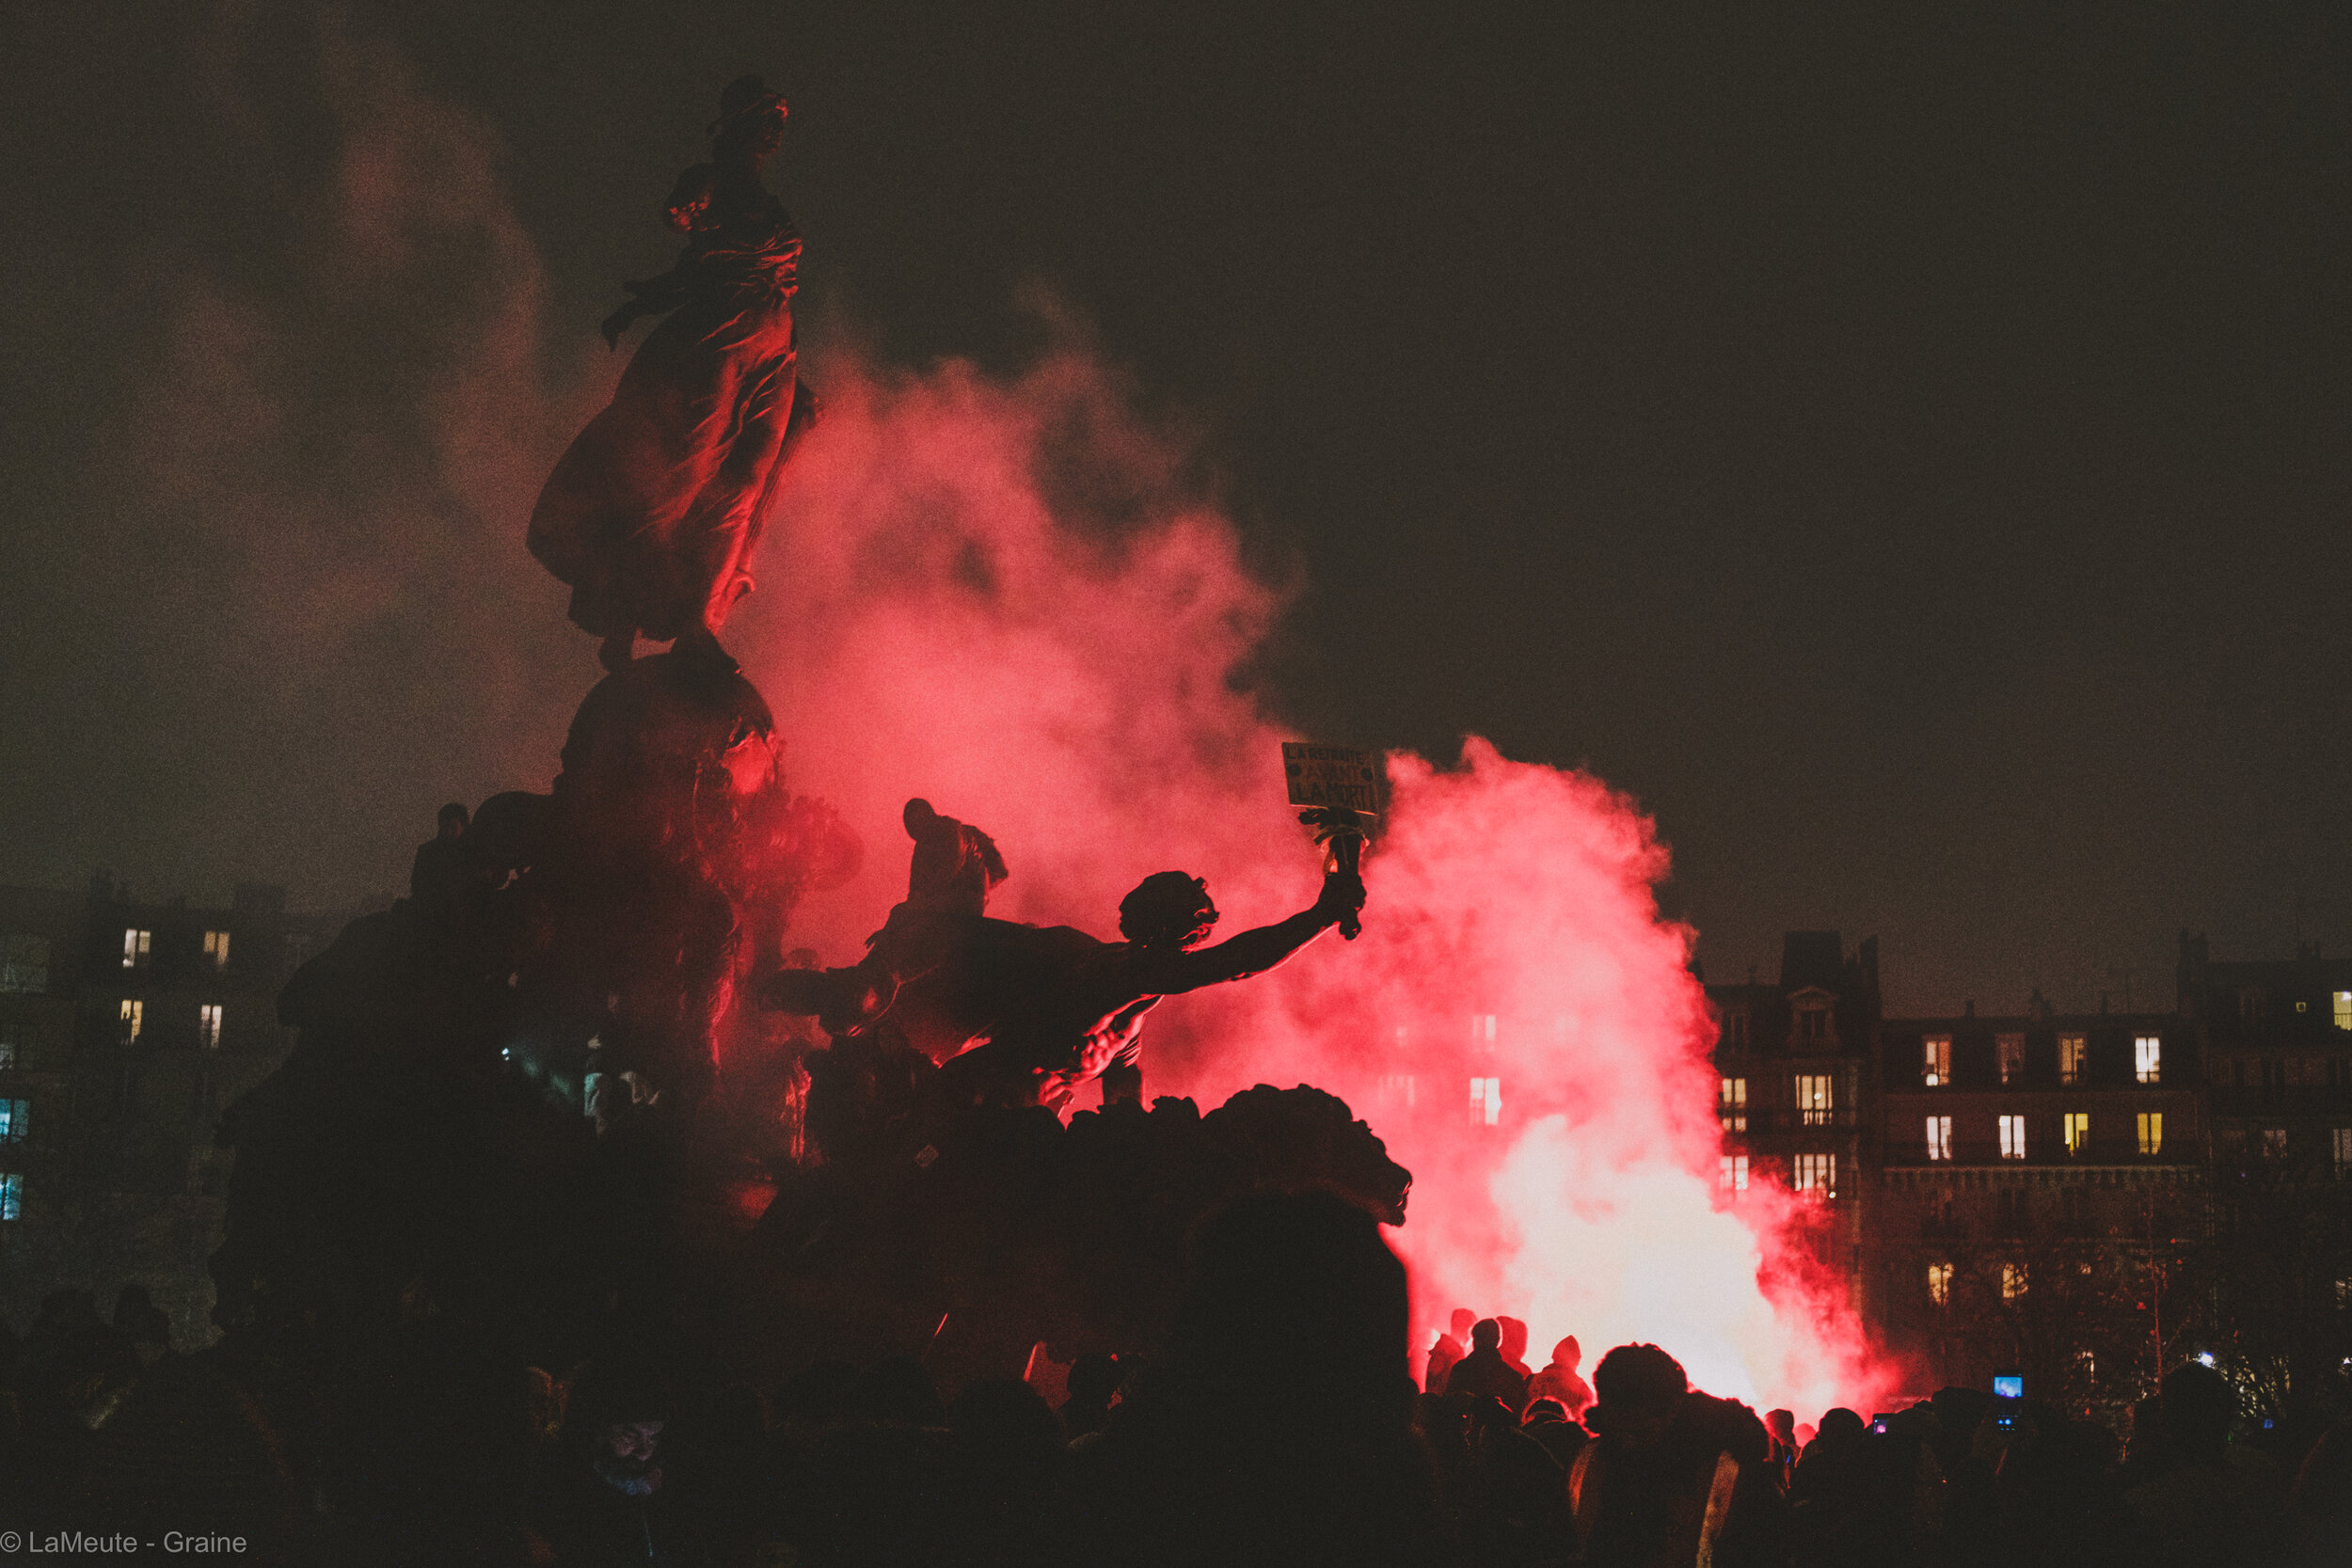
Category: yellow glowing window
<point>2072,1050</point>
<point>1731,1104</point>
<point>1937,1068</point>
<point>1939,1137</point>
<point>2148,1057</point>
<point>133,1016</point>
<point>207,1025</point>
<point>135,945</point>
<point>2077,1130</point>
<point>1940,1284</point>
<point>2012,1281</point>
<point>2151,1132</point>
<point>2343,1009</point>
<point>1814,1097</point>
<point>217,948</point>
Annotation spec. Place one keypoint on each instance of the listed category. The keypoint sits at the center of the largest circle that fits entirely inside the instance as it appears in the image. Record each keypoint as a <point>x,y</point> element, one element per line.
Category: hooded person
<point>1674,1477</point>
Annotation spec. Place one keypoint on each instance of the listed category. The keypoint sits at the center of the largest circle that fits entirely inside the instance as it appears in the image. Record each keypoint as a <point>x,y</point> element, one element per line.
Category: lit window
<point>11,1196</point>
<point>136,943</point>
<point>2071,1049</point>
<point>2010,1051</point>
<point>2274,1143</point>
<point>1401,1087</point>
<point>2077,1130</point>
<point>2344,1294</point>
<point>1816,1174</point>
<point>1731,1104</point>
<point>217,948</point>
<point>1486,1100</point>
<point>2013,1137</point>
<point>2012,1281</point>
<point>1813,1098</point>
<point>1732,1175</point>
<point>7,1049</point>
<point>1938,1066</point>
<point>133,1017</point>
<point>208,1026</point>
<point>1940,1284</point>
<point>15,1120</point>
<point>2148,1057</point>
<point>1483,1030</point>
<point>24,963</point>
<point>1939,1137</point>
<point>2151,1132</point>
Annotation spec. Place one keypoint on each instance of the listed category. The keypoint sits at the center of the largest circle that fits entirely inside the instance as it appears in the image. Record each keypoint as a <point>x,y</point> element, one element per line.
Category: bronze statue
<point>652,514</point>
<point>1021,1015</point>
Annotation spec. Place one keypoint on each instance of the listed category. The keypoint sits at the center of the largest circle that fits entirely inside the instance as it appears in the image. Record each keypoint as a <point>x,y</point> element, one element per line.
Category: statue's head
<point>750,115</point>
<point>1168,908</point>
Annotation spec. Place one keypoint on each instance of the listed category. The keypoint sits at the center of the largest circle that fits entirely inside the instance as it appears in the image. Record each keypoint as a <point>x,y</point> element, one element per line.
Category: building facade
<point>1794,1089</point>
<point>2042,1177</point>
<point>126,1028</point>
<point>2085,1199</point>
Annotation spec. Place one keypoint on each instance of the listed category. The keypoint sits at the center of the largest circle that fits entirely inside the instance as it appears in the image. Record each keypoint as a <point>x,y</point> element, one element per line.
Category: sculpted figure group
<point>651,516</point>
<point>1024,1015</point>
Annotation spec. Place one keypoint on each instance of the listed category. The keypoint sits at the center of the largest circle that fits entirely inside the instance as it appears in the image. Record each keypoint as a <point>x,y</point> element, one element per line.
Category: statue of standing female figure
<point>652,512</point>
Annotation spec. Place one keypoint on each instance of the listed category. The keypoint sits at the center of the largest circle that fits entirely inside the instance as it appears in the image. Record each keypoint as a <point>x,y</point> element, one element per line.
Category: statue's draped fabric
<point>652,514</point>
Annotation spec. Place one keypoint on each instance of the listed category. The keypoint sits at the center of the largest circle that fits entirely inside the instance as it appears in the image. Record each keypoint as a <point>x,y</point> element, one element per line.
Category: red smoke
<point>1000,597</point>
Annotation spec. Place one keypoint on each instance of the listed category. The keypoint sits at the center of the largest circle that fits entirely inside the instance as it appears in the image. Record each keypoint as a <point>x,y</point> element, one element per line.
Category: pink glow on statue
<point>1001,597</point>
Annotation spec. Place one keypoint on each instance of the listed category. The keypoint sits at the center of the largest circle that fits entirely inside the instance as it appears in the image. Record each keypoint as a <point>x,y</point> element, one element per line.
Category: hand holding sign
<point>1340,786</point>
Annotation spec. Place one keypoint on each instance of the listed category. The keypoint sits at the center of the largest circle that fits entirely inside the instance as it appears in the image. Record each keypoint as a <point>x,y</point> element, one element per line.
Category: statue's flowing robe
<point>652,512</point>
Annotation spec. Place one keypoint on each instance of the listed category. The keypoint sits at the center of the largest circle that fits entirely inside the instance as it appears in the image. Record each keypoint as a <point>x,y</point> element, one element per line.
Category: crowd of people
<point>1276,1425</point>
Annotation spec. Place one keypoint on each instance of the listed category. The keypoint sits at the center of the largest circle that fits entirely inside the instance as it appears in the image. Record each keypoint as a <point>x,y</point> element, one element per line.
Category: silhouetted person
<point>1559,1380</point>
<point>1094,1380</point>
<point>1547,1422</point>
<point>1485,1374</point>
<point>1006,1456</point>
<point>437,878</point>
<point>1278,1428</point>
<point>1782,1425</point>
<point>1674,1476</point>
<point>2200,1498</point>
<point>1450,1347</point>
<point>1512,1492</point>
<point>603,1499</point>
<point>1514,1344</point>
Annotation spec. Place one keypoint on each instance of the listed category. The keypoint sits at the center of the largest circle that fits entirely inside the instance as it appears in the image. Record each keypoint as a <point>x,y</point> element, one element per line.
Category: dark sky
<point>1904,446</point>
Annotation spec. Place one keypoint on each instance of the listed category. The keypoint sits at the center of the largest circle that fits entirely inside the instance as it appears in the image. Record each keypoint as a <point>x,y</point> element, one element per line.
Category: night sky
<point>1905,447</point>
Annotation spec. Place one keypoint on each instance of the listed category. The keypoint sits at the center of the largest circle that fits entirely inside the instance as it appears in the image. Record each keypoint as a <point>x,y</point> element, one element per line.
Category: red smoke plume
<point>996,594</point>
<point>1000,595</point>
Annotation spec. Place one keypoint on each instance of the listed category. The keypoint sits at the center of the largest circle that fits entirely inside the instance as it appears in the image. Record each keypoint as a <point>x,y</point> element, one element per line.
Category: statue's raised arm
<point>652,514</point>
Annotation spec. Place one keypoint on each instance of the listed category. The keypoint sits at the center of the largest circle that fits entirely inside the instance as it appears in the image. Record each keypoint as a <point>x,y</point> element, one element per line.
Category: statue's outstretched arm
<point>1256,951</point>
